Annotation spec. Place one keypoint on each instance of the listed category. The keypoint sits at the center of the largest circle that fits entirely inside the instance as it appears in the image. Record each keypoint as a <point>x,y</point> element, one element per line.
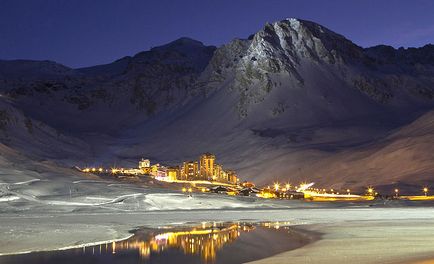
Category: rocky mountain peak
<point>295,39</point>
<point>183,43</point>
<point>181,51</point>
<point>279,50</point>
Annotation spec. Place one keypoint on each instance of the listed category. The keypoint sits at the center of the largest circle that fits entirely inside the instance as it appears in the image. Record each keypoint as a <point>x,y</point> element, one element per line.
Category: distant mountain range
<point>295,101</point>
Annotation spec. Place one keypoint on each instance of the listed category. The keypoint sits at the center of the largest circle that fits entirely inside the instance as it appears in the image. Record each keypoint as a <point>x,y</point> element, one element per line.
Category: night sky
<point>81,33</point>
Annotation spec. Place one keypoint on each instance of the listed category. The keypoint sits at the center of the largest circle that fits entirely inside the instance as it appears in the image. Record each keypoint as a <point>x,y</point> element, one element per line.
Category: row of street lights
<point>277,186</point>
<point>371,191</point>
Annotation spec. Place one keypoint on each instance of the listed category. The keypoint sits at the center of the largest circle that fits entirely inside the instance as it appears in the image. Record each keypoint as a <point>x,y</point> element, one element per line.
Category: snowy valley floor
<point>43,215</point>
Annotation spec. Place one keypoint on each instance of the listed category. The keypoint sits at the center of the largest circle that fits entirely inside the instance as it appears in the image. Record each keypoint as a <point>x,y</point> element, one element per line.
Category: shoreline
<point>303,236</point>
<point>27,233</point>
<point>369,242</point>
<point>67,247</point>
<point>276,237</point>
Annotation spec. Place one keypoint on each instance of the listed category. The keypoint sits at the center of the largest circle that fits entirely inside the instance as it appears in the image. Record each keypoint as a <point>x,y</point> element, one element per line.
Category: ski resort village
<point>206,175</point>
<point>206,169</point>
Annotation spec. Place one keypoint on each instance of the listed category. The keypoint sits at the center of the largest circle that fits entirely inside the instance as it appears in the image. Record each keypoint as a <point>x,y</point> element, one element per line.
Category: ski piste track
<point>5,190</point>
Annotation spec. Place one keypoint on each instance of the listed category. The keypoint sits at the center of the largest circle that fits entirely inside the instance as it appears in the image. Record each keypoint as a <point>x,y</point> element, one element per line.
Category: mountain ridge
<point>294,92</point>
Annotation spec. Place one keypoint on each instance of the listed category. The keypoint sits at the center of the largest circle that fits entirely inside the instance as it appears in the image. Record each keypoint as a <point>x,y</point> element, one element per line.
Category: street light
<point>348,191</point>
<point>276,186</point>
<point>288,186</point>
<point>370,191</point>
<point>396,192</point>
<point>425,190</point>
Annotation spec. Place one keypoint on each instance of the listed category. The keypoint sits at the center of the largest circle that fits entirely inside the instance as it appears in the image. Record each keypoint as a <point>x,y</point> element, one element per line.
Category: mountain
<point>294,101</point>
<point>124,90</point>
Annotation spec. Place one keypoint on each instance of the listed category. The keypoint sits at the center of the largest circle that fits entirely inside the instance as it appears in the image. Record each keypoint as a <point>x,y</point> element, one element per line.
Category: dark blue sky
<point>88,32</point>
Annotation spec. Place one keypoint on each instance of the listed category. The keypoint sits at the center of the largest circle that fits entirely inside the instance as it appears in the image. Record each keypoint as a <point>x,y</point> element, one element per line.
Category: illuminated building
<point>154,169</point>
<point>145,166</point>
<point>161,171</point>
<point>267,193</point>
<point>132,171</point>
<point>144,163</point>
<point>207,161</point>
<point>190,170</point>
<point>173,173</point>
<point>218,173</point>
<point>232,177</point>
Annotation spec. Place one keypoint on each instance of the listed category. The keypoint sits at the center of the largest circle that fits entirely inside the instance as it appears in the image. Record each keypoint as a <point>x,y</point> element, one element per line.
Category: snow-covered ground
<point>38,215</point>
<point>46,207</point>
<point>375,241</point>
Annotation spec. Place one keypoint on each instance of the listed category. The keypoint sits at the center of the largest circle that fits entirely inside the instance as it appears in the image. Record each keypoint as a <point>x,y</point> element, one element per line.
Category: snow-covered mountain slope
<point>37,140</point>
<point>287,99</point>
<point>404,159</point>
<point>107,96</point>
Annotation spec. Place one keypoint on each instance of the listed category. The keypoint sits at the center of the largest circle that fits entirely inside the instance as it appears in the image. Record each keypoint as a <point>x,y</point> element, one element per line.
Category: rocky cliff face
<point>294,92</point>
<point>286,53</point>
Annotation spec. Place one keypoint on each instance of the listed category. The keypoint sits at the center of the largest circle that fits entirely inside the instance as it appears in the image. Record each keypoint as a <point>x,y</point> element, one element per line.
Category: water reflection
<point>205,240</point>
<point>205,243</point>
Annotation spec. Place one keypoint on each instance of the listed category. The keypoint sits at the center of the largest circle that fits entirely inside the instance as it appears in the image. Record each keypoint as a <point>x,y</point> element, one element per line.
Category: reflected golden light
<point>205,241</point>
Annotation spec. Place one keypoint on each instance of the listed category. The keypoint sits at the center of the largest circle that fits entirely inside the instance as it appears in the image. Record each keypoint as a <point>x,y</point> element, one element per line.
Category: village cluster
<point>205,169</point>
<point>206,175</point>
